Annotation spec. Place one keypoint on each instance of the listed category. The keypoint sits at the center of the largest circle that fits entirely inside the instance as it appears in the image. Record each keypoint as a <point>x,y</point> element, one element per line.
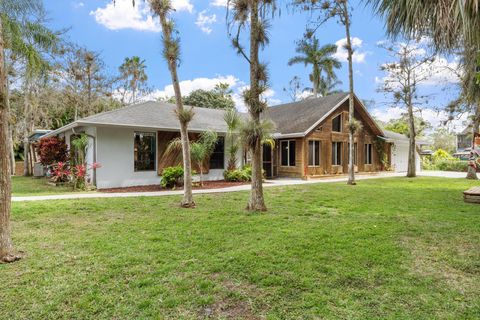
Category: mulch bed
<point>206,185</point>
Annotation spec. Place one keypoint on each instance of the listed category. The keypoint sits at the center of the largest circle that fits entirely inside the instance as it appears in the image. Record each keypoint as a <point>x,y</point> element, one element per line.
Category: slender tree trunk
<point>256,202</point>
<point>10,129</point>
<point>12,152</point>
<point>316,80</point>
<point>6,245</point>
<point>412,169</point>
<point>351,100</point>
<point>471,171</point>
<point>26,129</point>
<point>187,201</point>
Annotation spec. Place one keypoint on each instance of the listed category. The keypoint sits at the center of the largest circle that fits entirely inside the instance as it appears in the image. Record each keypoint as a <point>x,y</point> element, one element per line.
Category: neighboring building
<point>464,144</point>
<point>464,140</point>
<point>311,141</point>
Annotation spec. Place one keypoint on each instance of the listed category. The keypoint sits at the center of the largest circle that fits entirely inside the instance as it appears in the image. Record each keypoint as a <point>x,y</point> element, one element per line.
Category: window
<point>288,153</point>
<point>355,153</point>
<point>368,153</point>
<point>218,155</point>
<point>336,153</point>
<point>144,151</point>
<point>313,153</point>
<point>337,123</point>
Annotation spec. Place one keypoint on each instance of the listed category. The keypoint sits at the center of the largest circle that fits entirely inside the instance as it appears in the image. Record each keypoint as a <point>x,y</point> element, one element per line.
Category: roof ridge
<point>116,110</point>
<point>339,94</point>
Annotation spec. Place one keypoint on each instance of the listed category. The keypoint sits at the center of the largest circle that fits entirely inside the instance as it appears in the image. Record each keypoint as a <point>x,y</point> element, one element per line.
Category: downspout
<point>94,178</point>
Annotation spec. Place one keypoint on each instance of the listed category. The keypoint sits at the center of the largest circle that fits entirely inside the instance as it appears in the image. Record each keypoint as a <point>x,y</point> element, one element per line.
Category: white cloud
<point>204,21</point>
<point>219,3</point>
<point>187,86</point>
<point>78,5</point>
<point>122,15</point>
<point>182,5</point>
<point>342,54</point>
<point>434,117</point>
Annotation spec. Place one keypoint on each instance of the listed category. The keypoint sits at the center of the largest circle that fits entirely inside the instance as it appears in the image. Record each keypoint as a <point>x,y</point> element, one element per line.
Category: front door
<point>267,161</point>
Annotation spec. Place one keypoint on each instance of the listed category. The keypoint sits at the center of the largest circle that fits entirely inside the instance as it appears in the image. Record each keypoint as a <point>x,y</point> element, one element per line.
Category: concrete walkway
<point>267,184</point>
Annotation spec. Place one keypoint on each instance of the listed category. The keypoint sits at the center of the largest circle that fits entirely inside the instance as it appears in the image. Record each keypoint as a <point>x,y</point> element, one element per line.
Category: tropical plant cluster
<point>238,175</point>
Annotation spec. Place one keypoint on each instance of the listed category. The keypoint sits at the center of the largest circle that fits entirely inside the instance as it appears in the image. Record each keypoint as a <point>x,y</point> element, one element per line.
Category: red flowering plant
<point>60,172</point>
<point>76,175</point>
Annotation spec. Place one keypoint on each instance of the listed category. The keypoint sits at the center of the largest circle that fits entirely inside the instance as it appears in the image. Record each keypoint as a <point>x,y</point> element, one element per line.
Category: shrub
<point>452,165</point>
<point>171,176</point>
<point>238,175</point>
<point>441,155</point>
<point>52,150</point>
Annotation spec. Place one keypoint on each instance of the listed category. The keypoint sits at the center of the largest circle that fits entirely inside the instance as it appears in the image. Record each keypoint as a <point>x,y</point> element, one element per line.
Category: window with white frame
<point>287,150</point>
<point>368,153</point>
<point>313,153</point>
<point>336,153</point>
<point>337,123</point>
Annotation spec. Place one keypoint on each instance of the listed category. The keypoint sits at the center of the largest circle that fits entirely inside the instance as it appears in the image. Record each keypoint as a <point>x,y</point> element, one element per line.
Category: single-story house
<point>311,141</point>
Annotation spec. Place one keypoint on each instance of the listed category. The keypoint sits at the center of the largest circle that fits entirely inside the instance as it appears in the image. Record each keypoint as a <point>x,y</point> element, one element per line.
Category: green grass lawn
<point>392,248</point>
<point>28,186</point>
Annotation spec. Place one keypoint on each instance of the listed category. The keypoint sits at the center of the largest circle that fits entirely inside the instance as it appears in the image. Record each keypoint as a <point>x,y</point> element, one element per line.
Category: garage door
<point>400,157</point>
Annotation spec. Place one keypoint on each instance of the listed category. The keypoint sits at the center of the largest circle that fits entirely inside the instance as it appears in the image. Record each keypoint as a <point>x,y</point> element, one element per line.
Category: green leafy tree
<point>444,139</point>
<point>20,35</point>
<point>219,97</point>
<point>322,61</point>
<point>400,125</point>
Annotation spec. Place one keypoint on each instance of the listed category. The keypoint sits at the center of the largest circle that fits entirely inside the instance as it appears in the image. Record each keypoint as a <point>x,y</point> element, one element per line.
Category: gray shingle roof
<point>298,117</point>
<point>158,115</point>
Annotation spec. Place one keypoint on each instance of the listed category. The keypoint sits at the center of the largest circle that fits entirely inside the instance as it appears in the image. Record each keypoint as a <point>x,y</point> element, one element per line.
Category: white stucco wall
<point>115,153</point>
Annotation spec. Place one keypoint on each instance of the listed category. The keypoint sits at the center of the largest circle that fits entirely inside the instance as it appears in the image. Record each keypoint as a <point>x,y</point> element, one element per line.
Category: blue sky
<point>207,57</point>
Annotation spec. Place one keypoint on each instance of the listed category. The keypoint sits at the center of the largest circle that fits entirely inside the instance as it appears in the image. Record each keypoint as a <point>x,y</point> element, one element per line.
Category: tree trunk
<point>187,201</point>
<point>316,80</point>
<point>412,170</point>
<point>26,157</point>
<point>6,245</point>
<point>12,152</point>
<point>471,170</point>
<point>351,100</point>
<point>256,202</point>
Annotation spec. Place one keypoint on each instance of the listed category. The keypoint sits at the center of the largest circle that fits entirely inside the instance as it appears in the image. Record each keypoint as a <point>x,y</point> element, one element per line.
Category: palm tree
<point>132,71</point>
<point>200,150</point>
<point>321,60</point>
<point>253,16</point>
<point>22,37</point>
<point>232,119</point>
<point>171,53</point>
<point>453,25</point>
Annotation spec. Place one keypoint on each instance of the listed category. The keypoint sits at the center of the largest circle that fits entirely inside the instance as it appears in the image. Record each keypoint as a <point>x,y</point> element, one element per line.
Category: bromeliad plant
<point>75,175</point>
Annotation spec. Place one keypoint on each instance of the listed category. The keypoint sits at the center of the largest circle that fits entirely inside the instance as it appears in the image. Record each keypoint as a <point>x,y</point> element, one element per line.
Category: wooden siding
<point>174,158</point>
<point>326,136</point>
